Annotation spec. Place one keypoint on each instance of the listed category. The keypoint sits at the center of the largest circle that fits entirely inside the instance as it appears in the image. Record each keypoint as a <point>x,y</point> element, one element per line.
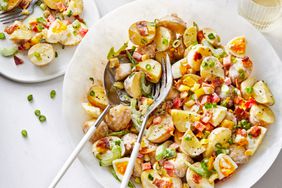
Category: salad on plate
<point>213,120</point>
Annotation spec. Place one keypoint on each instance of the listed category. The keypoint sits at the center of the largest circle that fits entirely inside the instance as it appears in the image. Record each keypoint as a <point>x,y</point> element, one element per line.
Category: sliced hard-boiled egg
<point>211,36</point>
<point>224,165</point>
<point>196,56</point>
<point>237,46</point>
<point>119,166</point>
<point>211,68</point>
<point>41,54</point>
<point>57,32</point>
<point>220,135</point>
<point>73,35</point>
<point>240,70</point>
<point>178,68</point>
<point>255,138</point>
<point>108,149</point>
<point>195,180</point>
<point>22,33</point>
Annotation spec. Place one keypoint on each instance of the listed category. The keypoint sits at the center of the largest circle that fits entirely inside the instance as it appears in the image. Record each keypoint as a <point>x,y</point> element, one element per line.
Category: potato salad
<point>60,23</point>
<point>213,120</point>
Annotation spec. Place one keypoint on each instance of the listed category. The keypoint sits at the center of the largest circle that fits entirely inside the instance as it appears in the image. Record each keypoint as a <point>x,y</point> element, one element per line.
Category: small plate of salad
<point>40,47</point>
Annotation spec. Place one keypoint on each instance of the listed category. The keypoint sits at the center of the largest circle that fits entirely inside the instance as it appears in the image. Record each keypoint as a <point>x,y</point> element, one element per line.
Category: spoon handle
<point>78,148</point>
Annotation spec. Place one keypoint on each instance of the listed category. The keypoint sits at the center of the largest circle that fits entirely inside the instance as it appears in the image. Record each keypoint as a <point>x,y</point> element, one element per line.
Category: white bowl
<point>112,30</point>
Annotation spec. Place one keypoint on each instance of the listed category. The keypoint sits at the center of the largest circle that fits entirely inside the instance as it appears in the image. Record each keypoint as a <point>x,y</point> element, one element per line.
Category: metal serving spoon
<point>114,98</point>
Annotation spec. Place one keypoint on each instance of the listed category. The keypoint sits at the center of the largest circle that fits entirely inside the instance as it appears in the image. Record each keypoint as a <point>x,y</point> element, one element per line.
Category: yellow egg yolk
<point>121,167</point>
<point>226,167</point>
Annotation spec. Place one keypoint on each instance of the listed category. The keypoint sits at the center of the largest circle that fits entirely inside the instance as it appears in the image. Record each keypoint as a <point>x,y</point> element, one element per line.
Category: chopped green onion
<point>148,67</point>
<point>2,36</point>
<point>38,56</point>
<point>211,36</point>
<point>218,145</point>
<point>210,105</point>
<point>117,142</point>
<point>52,94</point>
<point>132,60</point>
<point>69,14</point>
<point>119,133</point>
<point>92,93</point>
<point>41,20</point>
<point>37,112</point>
<point>40,27</point>
<point>30,98</point>
<point>112,52</point>
<point>150,177</point>
<point>42,118</point>
<point>241,73</point>
<point>249,90</point>
<point>91,79</point>
<point>176,43</point>
<point>24,133</point>
<point>137,180</point>
<point>165,41</point>
<point>56,54</point>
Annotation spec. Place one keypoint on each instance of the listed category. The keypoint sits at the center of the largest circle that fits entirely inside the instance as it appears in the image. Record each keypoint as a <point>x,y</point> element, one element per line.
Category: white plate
<point>111,30</point>
<point>30,73</point>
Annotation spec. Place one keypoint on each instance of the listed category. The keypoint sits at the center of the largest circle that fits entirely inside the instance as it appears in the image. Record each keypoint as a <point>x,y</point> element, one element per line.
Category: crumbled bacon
<point>196,178</point>
<point>241,113</point>
<point>103,144</point>
<point>242,132</point>
<point>160,183</point>
<point>200,36</point>
<point>227,81</point>
<point>255,131</point>
<point>79,19</point>
<point>199,126</point>
<point>157,120</point>
<point>217,82</point>
<point>197,56</point>
<point>247,63</point>
<point>51,18</point>
<point>177,103</point>
<point>146,166</point>
<point>18,61</point>
<point>10,29</point>
<point>227,61</point>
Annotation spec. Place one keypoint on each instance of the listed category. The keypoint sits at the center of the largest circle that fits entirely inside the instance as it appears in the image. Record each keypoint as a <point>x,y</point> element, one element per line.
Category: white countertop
<point>33,162</point>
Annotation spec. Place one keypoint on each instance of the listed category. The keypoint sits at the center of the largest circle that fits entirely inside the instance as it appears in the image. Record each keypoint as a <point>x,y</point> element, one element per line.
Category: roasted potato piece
<point>164,38</point>
<point>211,69</point>
<point>97,96</point>
<point>118,117</point>
<point>247,87</point>
<point>142,33</point>
<point>147,147</point>
<point>200,182</point>
<point>255,140</point>
<point>152,69</point>
<point>180,118</point>
<point>211,37</point>
<point>190,36</point>
<point>41,54</point>
<point>262,93</point>
<point>261,115</point>
<point>100,132</point>
<point>132,85</point>
<point>53,4</point>
<point>220,135</point>
<point>159,133</point>
<point>196,56</point>
<point>191,145</point>
<point>122,71</point>
<point>173,22</point>
<point>218,115</point>
<point>237,153</point>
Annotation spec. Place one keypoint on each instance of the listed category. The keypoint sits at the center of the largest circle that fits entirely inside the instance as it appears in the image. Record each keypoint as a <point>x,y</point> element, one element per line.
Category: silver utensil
<point>114,98</point>
<point>17,13</point>
<point>159,94</point>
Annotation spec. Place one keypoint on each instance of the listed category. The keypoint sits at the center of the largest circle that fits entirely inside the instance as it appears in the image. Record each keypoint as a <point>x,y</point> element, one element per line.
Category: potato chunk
<point>118,117</point>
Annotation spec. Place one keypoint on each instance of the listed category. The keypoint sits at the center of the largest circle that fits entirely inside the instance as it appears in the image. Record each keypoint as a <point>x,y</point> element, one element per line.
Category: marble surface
<point>33,162</point>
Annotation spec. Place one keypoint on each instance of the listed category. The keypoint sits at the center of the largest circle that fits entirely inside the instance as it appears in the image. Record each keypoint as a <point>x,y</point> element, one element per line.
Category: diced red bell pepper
<point>255,131</point>
<point>168,165</point>
<point>250,103</point>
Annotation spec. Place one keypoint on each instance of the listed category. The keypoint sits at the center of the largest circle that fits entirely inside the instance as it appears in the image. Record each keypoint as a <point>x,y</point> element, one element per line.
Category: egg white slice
<point>254,142</point>
<point>119,166</point>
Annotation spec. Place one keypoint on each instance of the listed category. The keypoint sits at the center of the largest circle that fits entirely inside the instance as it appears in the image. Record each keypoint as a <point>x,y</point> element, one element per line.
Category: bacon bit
<point>200,36</point>
<point>196,178</point>
<point>103,144</point>
<point>200,135</point>
<point>51,18</point>
<point>250,103</point>
<point>146,166</point>
<point>79,19</point>
<point>160,183</point>
<point>140,156</point>
<point>168,105</point>
<point>168,165</point>
<point>83,31</point>
<point>247,63</point>
<point>227,61</point>
<point>142,28</point>
<point>237,100</point>
<point>255,131</point>
<point>207,117</point>
<point>217,82</point>
<point>215,98</point>
<point>61,6</point>
<point>197,56</point>
<point>209,127</point>
<point>242,132</point>
<point>237,83</point>
<point>137,56</point>
<point>241,113</point>
<point>18,61</point>
<point>157,120</point>
<point>206,99</point>
<point>199,126</point>
<point>227,81</point>
<point>177,103</point>
<point>10,29</point>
